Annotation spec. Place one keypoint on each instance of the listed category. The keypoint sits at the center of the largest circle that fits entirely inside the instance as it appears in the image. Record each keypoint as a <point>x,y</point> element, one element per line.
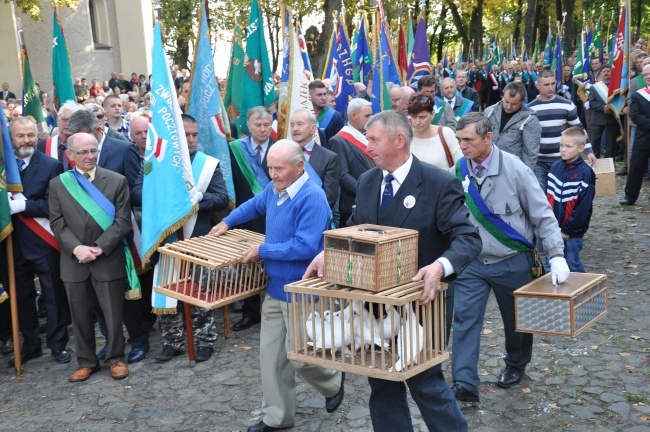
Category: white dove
<point>370,332</point>
<point>390,328</point>
<point>409,343</point>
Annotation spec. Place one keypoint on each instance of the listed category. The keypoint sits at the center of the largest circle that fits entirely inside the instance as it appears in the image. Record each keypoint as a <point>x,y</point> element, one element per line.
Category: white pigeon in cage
<point>390,328</point>
<point>323,338</point>
<point>370,328</point>
<point>410,340</point>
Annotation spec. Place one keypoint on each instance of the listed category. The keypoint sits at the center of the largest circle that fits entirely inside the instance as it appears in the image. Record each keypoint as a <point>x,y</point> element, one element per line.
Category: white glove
<point>559,270</point>
<point>17,206</point>
<point>200,196</point>
<point>586,105</point>
<point>565,88</point>
<point>495,87</point>
<point>587,86</point>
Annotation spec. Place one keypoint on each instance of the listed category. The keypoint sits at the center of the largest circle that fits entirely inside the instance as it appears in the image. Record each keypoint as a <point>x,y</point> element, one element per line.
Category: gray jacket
<point>520,137</point>
<point>511,191</point>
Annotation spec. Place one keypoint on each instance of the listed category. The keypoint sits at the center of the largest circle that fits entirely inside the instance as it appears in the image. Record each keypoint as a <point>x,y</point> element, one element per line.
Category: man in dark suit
<point>640,115</point>
<point>6,94</point>
<point>55,146</point>
<point>466,91</point>
<point>92,258</point>
<point>98,112</point>
<point>321,162</point>
<point>35,249</point>
<point>329,120</point>
<point>399,192</point>
<point>603,121</point>
<point>120,157</point>
<point>250,175</point>
<point>350,144</point>
<point>212,197</point>
<point>458,104</point>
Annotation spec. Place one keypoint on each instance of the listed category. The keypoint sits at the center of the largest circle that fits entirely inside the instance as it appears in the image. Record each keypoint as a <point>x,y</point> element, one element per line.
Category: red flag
<point>402,56</point>
<point>618,79</point>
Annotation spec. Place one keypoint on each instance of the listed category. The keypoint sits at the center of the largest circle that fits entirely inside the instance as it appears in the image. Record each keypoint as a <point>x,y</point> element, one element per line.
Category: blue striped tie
<point>387,197</point>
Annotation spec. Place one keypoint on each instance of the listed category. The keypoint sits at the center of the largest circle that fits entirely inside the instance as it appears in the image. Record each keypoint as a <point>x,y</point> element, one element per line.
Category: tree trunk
<point>317,58</point>
<point>441,36</point>
<point>476,28</point>
<point>541,20</point>
<point>569,29</point>
<point>182,53</point>
<point>518,19</point>
<point>458,23</point>
<point>558,10</point>
<point>530,26</point>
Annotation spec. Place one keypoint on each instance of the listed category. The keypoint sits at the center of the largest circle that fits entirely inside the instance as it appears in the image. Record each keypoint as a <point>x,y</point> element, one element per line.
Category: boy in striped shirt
<point>571,189</point>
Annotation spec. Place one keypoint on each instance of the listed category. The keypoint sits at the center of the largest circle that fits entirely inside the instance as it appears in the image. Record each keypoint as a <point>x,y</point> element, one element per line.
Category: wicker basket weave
<point>208,272</point>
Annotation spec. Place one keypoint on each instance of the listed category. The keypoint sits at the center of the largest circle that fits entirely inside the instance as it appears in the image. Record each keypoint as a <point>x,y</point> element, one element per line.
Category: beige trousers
<point>279,374</point>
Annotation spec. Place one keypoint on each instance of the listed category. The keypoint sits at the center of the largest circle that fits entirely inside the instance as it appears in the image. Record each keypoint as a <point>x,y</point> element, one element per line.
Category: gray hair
<point>83,121</point>
<point>71,106</point>
<point>515,88</point>
<point>22,120</point>
<point>258,113</point>
<point>311,118</point>
<point>481,123</point>
<point>395,123</point>
<point>356,104</point>
<point>93,108</point>
<point>292,148</point>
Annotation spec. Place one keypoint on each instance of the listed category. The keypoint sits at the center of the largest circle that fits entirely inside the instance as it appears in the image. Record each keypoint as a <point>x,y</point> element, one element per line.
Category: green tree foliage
<point>33,7</point>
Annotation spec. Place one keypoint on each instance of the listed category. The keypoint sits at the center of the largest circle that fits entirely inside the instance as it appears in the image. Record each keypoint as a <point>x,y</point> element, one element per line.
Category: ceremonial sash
<point>103,212</point>
<point>313,175</point>
<point>601,90</point>
<point>439,110</point>
<point>493,224</point>
<point>495,82</point>
<point>203,167</point>
<point>52,149</point>
<point>645,93</point>
<point>38,225</point>
<point>640,81</point>
<point>465,107</point>
<point>325,117</point>
<point>253,173</point>
<point>355,138</point>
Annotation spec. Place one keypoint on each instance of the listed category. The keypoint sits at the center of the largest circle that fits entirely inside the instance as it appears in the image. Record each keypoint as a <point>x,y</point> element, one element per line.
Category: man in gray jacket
<point>515,127</point>
<point>508,208</point>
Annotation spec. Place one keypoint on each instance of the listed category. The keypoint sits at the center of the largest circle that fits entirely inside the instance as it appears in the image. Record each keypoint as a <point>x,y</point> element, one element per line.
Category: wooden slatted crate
<point>370,257</point>
<point>208,271</point>
<point>386,335</point>
<point>567,309</point>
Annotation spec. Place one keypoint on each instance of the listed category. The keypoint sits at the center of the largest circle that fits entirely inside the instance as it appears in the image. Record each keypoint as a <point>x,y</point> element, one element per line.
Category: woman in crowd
<point>435,145</point>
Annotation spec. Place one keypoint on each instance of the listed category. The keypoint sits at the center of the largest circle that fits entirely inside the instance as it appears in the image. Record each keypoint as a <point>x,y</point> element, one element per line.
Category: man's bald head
<point>407,93</point>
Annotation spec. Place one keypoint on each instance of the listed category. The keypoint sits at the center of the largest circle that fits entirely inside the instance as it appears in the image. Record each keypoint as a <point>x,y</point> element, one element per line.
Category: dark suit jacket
<point>640,115</point>
<point>596,105</point>
<point>36,188</point>
<point>471,94</point>
<point>334,126</point>
<point>438,214</point>
<point>112,133</point>
<point>243,192</point>
<point>10,95</point>
<point>352,163</point>
<point>326,164</point>
<point>215,198</point>
<point>121,157</point>
<point>73,226</point>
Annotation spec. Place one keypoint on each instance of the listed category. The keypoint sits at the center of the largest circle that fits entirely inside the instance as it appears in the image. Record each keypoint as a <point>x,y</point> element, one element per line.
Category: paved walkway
<point>599,381</point>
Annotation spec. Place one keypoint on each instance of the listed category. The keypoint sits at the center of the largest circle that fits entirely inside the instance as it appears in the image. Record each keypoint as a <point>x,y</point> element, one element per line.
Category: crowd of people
<point>487,165</point>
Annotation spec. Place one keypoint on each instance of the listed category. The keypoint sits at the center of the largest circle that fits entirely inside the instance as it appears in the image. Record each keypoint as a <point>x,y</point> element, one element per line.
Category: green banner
<point>61,74</point>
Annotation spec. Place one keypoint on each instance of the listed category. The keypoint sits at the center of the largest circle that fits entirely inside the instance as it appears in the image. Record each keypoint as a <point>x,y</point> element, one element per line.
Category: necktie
<point>479,171</point>
<point>387,197</point>
<point>21,164</point>
<point>87,176</point>
<point>258,154</point>
<point>308,152</point>
<point>449,101</point>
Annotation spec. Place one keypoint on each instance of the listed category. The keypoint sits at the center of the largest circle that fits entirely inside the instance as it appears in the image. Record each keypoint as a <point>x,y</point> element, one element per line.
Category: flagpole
<point>14,306</point>
<point>374,11</point>
<point>628,126</point>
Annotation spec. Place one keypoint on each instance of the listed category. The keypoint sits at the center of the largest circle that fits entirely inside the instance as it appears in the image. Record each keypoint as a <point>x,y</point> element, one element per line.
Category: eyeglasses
<point>99,116</point>
<point>421,99</point>
<point>84,152</point>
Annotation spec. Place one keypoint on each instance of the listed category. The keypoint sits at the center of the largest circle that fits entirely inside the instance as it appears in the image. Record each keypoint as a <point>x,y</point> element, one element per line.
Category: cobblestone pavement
<point>599,381</point>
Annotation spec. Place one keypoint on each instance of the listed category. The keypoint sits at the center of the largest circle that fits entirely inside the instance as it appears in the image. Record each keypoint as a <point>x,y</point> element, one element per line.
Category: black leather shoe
<point>61,355</point>
<point>25,357</point>
<point>138,353</point>
<point>245,323</point>
<point>622,172</point>
<point>509,377</point>
<point>463,395</point>
<point>237,306</point>
<point>626,201</point>
<point>332,403</point>
<point>168,352</point>
<point>203,353</point>
<point>8,347</point>
<point>101,354</point>
<point>263,427</point>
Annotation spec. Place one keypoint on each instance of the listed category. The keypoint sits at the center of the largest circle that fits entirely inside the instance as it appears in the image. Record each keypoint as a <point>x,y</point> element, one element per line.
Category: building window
<point>99,24</point>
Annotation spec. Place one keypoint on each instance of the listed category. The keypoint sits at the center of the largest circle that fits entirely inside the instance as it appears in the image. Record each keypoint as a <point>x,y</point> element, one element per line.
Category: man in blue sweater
<point>297,213</point>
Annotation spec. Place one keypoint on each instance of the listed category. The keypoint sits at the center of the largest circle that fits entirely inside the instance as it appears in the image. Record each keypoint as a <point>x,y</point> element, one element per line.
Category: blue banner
<point>340,70</point>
